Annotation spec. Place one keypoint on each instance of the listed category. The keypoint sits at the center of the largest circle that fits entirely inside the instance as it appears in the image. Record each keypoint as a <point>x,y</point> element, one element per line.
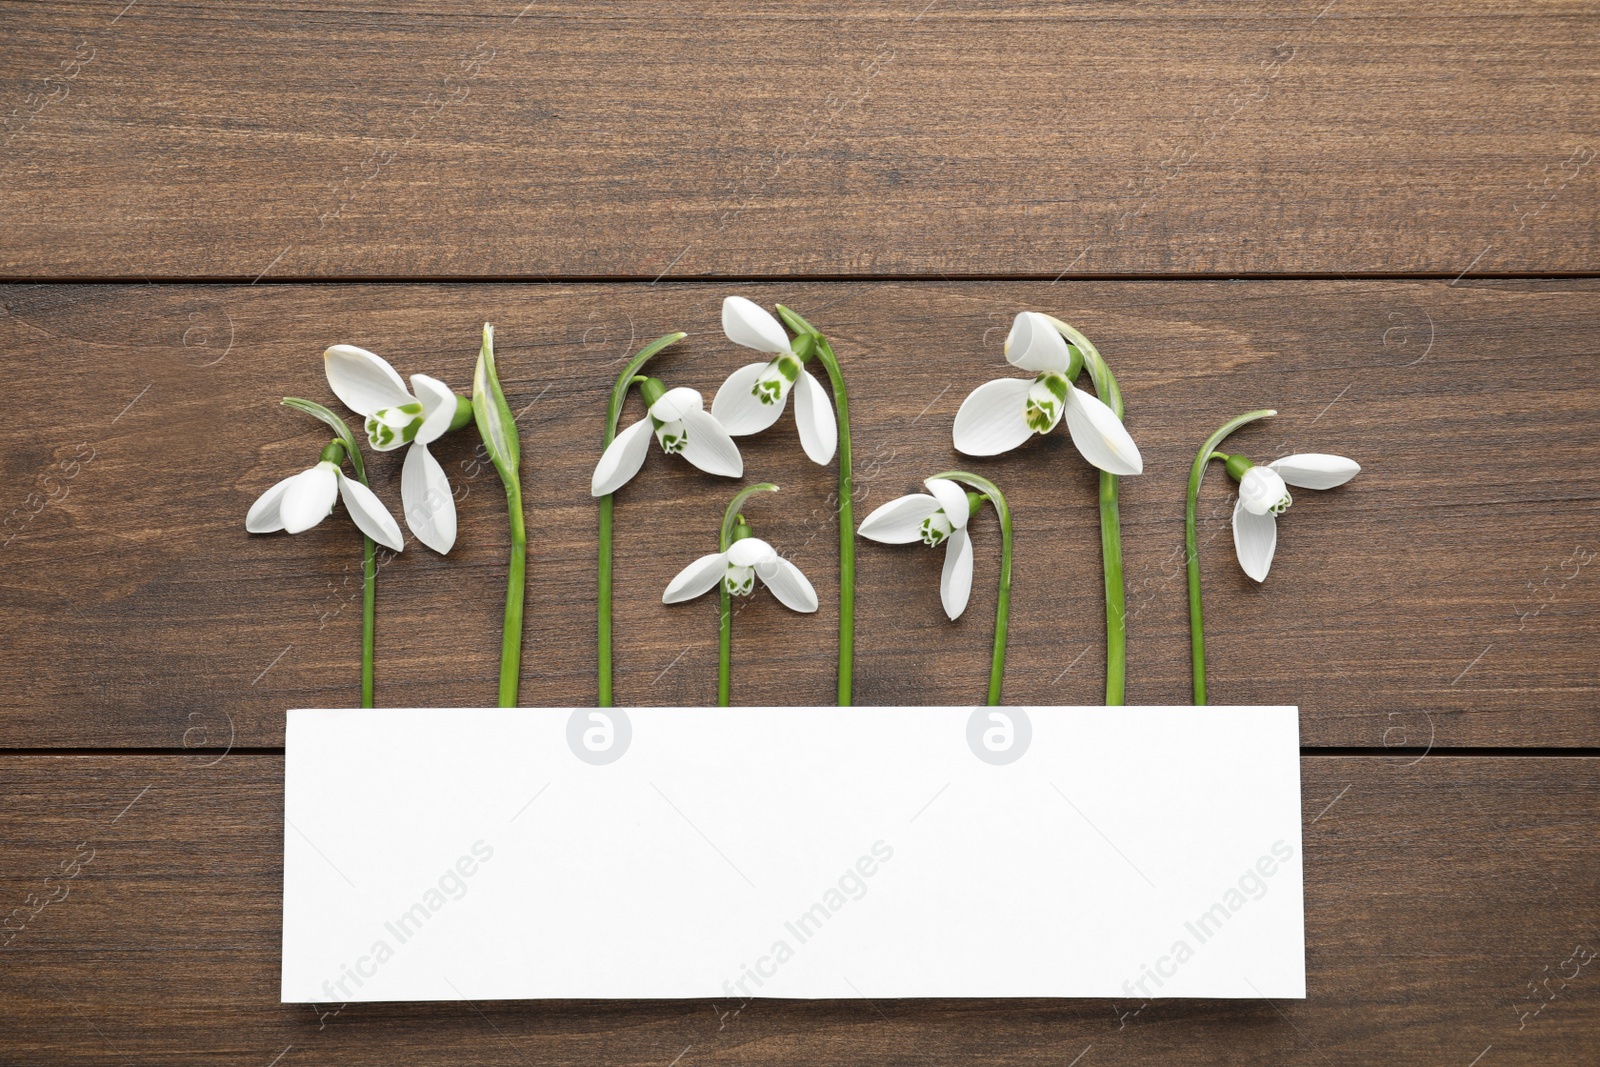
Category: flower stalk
<point>629,377</point>
<point>344,445</point>
<point>1105,386</point>
<point>733,528</point>
<point>499,432</point>
<point>1002,611</point>
<point>846,496</point>
<point>1208,452</point>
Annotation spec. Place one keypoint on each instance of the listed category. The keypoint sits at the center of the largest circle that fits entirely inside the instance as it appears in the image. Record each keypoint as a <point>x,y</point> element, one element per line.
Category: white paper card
<point>792,852</point>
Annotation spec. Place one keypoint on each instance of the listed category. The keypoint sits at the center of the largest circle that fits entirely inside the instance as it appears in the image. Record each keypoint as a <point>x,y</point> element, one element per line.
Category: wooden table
<point>1381,222</point>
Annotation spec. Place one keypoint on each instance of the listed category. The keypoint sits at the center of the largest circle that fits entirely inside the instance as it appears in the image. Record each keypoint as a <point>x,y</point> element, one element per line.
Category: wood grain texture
<point>1448,596</point>
<point>1444,901</point>
<point>333,139</point>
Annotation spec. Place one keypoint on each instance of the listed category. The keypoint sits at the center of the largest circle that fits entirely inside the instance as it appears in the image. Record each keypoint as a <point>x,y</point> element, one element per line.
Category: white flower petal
<point>955,584</point>
<point>750,551</point>
<point>363,381</point>
<point>899,522</point>
<point>698,577</point>
<point>813,414</point>
<point>370,514</point>
<point>748,323</point>
<point>263,516</point>
<point>1100,435</point>
<point>993,418</point>
<point>621,460</point>
<point>736,406</point>
<point>438,407</point>
<point>952,498</point>
<point>1255,537</point>
<point>1035,345</point>
<point>708,445</point>
<point>793,589</point>
<point>309,497</point>
<point>425,496</point>
<point>1315,470</point>
<point>675,403</point>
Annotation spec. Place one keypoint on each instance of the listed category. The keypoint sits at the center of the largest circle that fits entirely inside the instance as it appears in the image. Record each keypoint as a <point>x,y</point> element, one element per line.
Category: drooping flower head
<point>397,416</point>
<point>937,517</point>
<point>303,500</point>
<point>747,559</point>
<point>1003,414</point>
<point>754,396</point>
<point>681,425</point>
<point>1264,495</point>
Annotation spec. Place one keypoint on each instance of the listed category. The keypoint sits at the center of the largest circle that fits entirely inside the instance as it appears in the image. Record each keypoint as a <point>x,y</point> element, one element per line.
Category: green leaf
<point>336,424</point>
<point>795,322</point>
<point>495,424</point>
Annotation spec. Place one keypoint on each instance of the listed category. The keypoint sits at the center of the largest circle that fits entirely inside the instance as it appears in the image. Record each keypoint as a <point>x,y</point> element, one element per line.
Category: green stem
<point>619,396</point>
<point>511,632</point>
<point>1002,610</point>
<point>725,623</point>
<point>847,526</point>
<point>369,614</point>
<point>1105,386</point>
<point>1191,549</point>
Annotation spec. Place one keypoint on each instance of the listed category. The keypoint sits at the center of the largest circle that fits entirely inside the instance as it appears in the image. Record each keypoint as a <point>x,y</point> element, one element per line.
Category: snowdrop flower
<point>755,395</point>
<point>738,568</point>
<point>937,517</point>
<point>1000,415</point>
<point>681,424</point>
<point>302,500</point>
<point>399,416</point>
<point>1264,495</point>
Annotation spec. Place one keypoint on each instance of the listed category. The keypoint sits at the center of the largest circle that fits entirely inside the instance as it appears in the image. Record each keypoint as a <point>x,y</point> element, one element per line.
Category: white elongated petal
<point>813,414</point>
<point>748,323</point>
<point>698,577</point>
<point>438,407</point>
<point>899,522</point>
<point>1035,345</point>
<point>708,445</point>
<point>736,406</point>
<point>1100,435</point>
<point>1255,538</point>
<point>425,496</point>
<point>363,381</point>
<point>1315,470</point>
<point>264,516</point>
<point>675,403</point>
<point>750,551</point>
<point>993,418</point>
<point>955,584</point>
<point>793,589</point>
<point>622,459</point>
<point>952,498</point>
<point>370,514</point>
<point>309,497</point>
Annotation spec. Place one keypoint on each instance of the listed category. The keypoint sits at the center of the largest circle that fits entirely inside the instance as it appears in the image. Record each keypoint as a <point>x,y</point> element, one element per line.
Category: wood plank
<point>1444,900</point>
<point>329,139</point>
<point>1447,596</point>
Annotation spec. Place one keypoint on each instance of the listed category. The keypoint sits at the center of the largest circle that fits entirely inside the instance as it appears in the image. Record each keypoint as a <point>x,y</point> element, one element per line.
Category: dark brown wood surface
<point>157,139</point>
<point>1446,596</point>
<point>1449,915</point>
<point>1382,220</point>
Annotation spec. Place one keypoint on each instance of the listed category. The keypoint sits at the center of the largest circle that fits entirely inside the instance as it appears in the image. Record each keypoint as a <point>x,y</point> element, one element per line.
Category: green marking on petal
<point>1047,399</point>
<point>776,380</point>
<point>739,581</point>
<point>673,437</point>
<point>936,529</point>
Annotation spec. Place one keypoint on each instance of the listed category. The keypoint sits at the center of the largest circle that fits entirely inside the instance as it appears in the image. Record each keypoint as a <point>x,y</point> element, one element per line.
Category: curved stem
<point>1002,610</point>
<point>619,395</point>
<point>1105,386</point>
<point>847,525</point>
<point>725,623</point>
<point>1191,550</point>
